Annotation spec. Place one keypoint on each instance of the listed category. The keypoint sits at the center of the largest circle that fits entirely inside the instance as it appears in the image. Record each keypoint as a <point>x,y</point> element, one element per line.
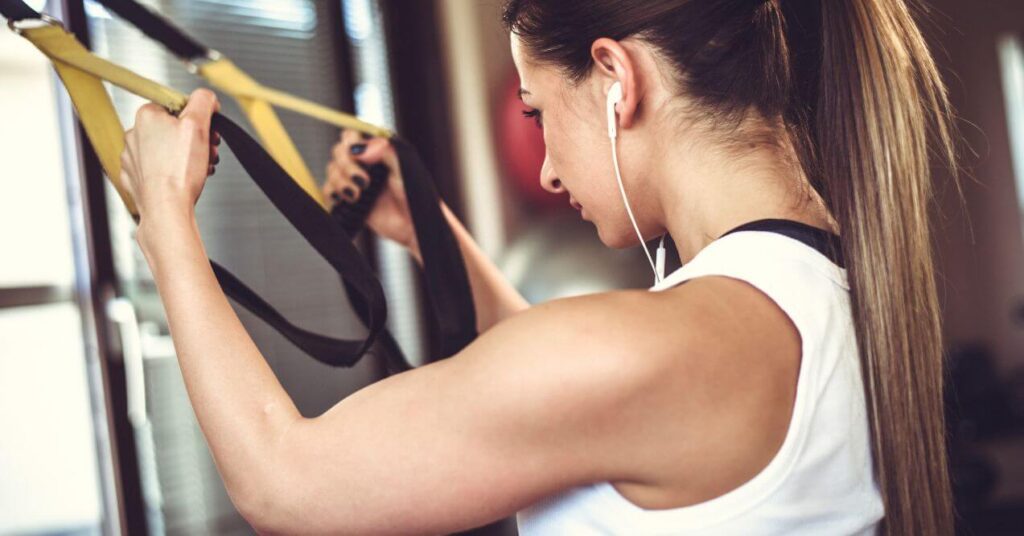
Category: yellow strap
<point>269,128</point>
<point>83,75</point>
<point>225,75</point>
<point>256,101</point>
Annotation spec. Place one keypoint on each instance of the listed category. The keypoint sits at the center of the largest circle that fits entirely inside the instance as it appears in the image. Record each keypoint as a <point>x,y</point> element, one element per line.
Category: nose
<point>549,179</point>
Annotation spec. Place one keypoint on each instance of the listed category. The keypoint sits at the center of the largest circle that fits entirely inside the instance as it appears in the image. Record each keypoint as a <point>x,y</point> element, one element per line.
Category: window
<point>48,450</point>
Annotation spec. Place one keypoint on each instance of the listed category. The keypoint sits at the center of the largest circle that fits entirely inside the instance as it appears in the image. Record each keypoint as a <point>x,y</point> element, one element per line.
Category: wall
<point>982,251</point>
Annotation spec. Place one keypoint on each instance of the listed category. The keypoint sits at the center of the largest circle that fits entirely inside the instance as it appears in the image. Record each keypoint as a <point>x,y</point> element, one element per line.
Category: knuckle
<point>206,93</point>
<point>144,112</point>
<point>340,153</point>
<point>194,129</point>
<point>189,124</point>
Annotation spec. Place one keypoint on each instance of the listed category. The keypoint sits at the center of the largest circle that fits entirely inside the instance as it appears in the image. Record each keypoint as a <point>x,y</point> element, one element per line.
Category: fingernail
<point>349,192</point>
<point>216,138</point>
<point>358,148</point>
<point>359,180</point>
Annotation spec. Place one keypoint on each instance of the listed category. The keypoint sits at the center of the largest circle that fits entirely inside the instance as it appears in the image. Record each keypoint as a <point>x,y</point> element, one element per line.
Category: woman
<point>792,385</point>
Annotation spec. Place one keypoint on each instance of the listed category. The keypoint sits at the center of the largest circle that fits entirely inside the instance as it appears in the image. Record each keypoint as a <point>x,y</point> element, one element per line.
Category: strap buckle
<point>194,65</point>
<point>19,27</point>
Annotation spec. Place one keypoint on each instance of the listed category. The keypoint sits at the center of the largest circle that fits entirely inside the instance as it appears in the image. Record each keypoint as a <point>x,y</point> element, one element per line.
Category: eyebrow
<point>523,91</point>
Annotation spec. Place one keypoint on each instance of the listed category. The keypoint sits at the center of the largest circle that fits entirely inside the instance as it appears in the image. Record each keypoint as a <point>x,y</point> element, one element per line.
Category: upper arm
<point>532,407</point>
<point>564,394</point>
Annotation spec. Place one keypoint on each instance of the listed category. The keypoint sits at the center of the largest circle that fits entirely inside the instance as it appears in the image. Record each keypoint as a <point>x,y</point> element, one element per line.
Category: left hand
<point>167,159</point>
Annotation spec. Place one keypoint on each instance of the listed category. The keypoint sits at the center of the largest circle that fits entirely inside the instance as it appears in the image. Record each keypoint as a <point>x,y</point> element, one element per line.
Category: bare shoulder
<point>697,382</point>
<point>717,411</point>
<point>674,396</point>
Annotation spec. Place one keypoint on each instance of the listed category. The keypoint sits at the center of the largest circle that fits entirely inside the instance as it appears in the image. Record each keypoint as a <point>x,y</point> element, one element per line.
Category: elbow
<point>264,499</point>
<point>263,491</point>
<point>258,507</point>
<point>273,500</point>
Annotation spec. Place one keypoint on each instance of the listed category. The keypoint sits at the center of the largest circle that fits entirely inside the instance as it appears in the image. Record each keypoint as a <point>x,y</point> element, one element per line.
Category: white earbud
<point>614,96</point>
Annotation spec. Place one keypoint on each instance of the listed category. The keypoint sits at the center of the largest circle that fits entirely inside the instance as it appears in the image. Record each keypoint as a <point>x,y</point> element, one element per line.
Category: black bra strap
<point>824,242</point>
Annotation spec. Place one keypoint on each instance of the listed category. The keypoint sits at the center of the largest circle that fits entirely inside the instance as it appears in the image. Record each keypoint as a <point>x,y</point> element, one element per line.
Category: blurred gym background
<point>96,432</point>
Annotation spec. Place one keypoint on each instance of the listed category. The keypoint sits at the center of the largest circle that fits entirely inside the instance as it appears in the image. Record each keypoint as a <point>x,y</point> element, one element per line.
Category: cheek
<point>580,159</point>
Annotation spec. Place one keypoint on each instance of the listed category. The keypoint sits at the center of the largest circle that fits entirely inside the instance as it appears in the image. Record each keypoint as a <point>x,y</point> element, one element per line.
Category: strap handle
<point>447,282</point>
<point>83,75</point>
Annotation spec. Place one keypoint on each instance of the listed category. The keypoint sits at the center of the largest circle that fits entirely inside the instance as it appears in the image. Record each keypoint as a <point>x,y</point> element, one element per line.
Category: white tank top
<point>820,481</point>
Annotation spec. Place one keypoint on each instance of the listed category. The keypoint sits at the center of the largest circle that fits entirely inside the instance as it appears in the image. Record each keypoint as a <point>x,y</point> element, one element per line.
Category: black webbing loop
<point>17,10</point>
<point>447,282</point>
<point>158,28</point>
<point>326,237</point>
<point>316,226</point>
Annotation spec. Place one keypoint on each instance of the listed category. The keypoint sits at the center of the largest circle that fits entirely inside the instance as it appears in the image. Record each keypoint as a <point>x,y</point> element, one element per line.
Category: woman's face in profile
<point>578,157</point>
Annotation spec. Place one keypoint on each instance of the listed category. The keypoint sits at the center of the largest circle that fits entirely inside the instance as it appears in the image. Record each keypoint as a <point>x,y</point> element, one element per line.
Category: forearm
<point>241,407</point>
<point>494,298</point>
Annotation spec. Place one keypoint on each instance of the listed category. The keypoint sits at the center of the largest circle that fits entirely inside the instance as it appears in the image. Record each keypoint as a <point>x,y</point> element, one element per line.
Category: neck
<point>722,191</point>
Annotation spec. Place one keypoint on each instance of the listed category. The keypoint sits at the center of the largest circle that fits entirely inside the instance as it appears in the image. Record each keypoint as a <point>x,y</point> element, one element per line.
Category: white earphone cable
<point>629,211</point>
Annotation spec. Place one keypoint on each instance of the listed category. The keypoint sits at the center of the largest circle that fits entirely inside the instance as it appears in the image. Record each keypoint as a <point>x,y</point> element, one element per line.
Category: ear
<point>613,62</point>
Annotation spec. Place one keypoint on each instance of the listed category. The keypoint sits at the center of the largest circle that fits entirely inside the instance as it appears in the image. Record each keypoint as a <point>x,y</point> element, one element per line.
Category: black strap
<point>17,10</point>
<point>158,28</point>
<point>316,226</point>
<point>447,282</point>
<point>326,237</point>
<point>825,242</point>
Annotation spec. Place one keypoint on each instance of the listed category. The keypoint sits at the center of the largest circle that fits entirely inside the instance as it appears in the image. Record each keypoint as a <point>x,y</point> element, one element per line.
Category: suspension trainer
<point>446,281</point>
<point>289,190</point>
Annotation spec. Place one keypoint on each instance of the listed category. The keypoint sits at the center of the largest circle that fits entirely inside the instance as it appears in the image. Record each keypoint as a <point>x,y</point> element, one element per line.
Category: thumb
<point>201,105</point>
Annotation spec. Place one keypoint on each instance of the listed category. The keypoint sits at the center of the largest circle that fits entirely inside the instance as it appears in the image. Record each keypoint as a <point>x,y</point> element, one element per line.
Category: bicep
<point>532,407</point>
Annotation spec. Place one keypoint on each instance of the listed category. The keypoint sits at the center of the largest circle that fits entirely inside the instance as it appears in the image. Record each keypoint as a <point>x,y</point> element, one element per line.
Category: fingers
<point>214,153</point>
<point>345,183</point>
<point>376,151</point>
<point>350,137</point>
<point>150,111</point>
<point>346,176</point>
<point>356,145</point>
<point>202,103</point>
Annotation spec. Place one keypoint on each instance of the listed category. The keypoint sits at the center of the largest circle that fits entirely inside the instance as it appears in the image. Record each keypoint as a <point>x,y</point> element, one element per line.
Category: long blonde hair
<point>880,190</point>
<point>861,98</point>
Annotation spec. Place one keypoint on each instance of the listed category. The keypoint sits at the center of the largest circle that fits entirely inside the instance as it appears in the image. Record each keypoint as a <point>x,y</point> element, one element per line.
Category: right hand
<point>347,179</point>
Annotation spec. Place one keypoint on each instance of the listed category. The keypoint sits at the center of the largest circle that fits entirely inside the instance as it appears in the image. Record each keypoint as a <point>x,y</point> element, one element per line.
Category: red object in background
<point>521,148</point>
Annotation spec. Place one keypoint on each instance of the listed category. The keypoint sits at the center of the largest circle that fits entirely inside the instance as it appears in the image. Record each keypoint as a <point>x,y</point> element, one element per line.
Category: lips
<point>575,204</point>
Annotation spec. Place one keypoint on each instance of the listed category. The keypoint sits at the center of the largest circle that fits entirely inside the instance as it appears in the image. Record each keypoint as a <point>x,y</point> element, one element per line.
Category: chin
<point>619,239</point>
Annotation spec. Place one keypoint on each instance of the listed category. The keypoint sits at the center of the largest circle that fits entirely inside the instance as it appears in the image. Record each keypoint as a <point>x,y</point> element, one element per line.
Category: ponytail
<point>860,96</point>
<point>863,116</point>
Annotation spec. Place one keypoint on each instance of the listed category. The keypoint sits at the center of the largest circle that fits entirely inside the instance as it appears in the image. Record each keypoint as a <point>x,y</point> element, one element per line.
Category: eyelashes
<point>533,113</point>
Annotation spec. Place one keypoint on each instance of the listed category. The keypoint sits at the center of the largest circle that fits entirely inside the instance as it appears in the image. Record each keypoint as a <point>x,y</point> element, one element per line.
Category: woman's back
<point>820,480</point>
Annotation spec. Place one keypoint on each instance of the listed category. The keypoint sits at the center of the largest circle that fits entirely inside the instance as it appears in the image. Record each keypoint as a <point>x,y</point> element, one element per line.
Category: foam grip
<point>352,216</point>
